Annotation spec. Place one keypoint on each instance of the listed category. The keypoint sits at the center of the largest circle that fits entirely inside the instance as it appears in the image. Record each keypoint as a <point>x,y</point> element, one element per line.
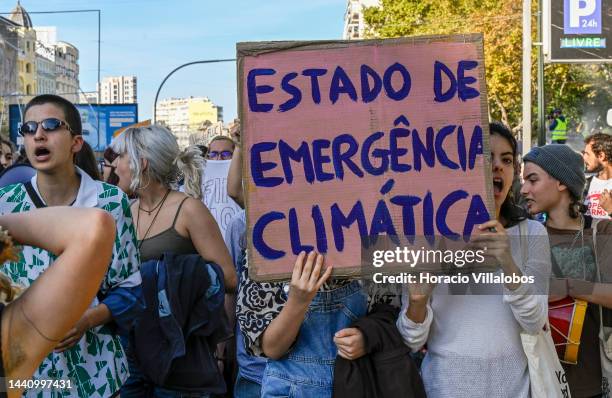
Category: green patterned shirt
<point>96,365</point>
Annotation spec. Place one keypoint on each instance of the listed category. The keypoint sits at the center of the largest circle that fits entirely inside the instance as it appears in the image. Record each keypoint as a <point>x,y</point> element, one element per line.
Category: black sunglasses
<point>103,164</point>
<point>224,155</point>
<point>50,124</point>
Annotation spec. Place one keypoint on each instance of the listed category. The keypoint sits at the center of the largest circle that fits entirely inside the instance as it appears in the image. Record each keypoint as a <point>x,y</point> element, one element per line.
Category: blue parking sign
<point>582,17</point>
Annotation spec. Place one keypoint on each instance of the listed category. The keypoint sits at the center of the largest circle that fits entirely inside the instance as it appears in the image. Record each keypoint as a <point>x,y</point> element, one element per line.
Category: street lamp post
<point>207,61</point>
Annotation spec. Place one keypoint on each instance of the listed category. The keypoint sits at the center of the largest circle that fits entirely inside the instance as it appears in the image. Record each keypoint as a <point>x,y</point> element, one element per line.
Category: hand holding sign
<point>307,279</point>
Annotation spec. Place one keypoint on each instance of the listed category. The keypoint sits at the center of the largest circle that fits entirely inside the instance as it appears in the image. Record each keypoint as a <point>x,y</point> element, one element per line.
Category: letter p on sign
<point>582,17</point>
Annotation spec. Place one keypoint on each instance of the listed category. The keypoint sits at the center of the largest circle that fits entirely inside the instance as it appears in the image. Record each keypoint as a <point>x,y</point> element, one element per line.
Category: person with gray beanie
<point>553,184</point>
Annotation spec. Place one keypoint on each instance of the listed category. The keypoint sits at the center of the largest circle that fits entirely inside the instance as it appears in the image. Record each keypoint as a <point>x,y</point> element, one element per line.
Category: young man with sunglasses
<point>90,355</point>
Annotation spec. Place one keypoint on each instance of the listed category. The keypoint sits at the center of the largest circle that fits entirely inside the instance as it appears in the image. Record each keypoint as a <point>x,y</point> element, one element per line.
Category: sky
<point>149,38</point>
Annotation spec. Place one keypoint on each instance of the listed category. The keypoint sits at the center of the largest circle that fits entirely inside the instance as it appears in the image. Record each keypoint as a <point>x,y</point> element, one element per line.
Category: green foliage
<point>575,88</point>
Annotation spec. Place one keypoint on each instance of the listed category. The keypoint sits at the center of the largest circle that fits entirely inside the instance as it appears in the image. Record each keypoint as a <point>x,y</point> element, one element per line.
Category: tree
<point>568,86</point>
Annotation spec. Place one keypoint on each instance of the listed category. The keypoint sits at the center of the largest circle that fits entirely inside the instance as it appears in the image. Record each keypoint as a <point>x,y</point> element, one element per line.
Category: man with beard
<point>597,157</point>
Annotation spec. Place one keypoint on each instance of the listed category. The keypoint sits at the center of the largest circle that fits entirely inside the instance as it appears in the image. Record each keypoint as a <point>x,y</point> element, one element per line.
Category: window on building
<point>29,89</point>
<point>28,68</point>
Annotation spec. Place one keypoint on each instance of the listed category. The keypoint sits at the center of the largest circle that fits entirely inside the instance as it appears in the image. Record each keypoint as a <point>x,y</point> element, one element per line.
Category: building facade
<point>118,90</point>
<point>8,69</point>
<point>45,69</point>
<point>26,55</point>
<point>67,71</point>
<point>354,24</point>
<point>185,116</point>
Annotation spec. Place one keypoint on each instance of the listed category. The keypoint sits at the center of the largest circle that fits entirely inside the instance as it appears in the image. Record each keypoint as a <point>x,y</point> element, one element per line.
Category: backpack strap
<point>34,196</point>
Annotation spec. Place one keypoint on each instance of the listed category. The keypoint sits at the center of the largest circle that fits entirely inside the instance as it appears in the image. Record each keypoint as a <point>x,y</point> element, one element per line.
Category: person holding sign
<point>581,252</point>
<point>473,342</point>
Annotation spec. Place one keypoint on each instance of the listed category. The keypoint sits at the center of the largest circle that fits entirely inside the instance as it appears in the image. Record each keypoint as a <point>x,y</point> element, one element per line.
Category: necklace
<point>158,207</point>
<point>154,208</point>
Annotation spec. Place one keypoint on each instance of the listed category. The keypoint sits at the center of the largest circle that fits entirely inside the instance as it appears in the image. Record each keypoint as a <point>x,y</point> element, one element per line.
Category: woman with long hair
<point>149,166</point>
<point>473,342</point>
<point>34,321</point>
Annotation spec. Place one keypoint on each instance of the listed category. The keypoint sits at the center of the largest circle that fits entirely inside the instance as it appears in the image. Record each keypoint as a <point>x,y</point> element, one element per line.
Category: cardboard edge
<point>248,49</point>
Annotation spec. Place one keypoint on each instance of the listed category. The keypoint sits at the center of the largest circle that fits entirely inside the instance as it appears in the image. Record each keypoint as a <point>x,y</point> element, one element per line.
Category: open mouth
<point>498,185</point>
<point>41,153</point>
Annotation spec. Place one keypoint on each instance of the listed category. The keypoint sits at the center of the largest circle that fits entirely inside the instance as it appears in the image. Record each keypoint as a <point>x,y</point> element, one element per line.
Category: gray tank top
<point>167,241</point>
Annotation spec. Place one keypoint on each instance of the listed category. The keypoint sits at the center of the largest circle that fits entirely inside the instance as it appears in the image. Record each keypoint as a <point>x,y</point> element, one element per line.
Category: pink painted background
<point>310,121</point>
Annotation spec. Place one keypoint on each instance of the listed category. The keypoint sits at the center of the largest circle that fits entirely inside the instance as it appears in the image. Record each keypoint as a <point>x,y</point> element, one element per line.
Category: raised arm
<point>51,306</point>
<point>234,177</point>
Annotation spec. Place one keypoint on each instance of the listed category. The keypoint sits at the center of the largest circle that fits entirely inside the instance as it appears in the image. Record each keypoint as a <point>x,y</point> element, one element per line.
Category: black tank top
<point>167,241</point>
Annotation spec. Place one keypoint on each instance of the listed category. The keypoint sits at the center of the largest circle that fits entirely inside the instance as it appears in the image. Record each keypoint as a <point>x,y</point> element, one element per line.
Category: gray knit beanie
<point>562,163</point>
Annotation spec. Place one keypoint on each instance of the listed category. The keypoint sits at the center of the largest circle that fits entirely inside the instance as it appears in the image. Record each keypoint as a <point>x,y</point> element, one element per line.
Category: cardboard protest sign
<point>344,140</point>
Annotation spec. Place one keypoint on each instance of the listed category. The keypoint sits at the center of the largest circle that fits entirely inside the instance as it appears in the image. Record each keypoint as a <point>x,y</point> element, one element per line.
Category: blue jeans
<point>307,371</point>
<point>245,388</point>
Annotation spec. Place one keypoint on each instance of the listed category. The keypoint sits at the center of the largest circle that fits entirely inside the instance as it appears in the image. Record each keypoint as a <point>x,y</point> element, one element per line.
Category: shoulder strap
<point>178,211</point>
<point>33,195</point>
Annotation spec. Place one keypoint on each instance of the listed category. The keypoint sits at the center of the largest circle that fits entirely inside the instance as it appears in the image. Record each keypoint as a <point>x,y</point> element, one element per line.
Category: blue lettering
<point>476,215</point>
<point>426,152</point>
<point>380,153</point>
<point>339,221</point>
<point>369,94</point>
<point>341,84</point>
<point>294,234</point>
<point>296,94</point>
<point>465,92</point>
<point>338,156</point>
<point>319,159</point>
<point>440,153</point>
<point>302,154</point>
<point>314,82</point>
<point>258,167</point>
<point>475,146</point>
<point>253,89</point>
<point>406,84</point>
<point>396,152</point>
<point>317,217</point>
<point>428,218</point>
<point>407,203</point>
<point>440,96</point>
<point>446,203</point>
<point>382,221</point>
<point>258,241</point>
<point>461,148</point>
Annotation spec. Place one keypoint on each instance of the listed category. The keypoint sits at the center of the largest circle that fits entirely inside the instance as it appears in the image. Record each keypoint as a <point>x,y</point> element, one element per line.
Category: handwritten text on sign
<point>350,141</point>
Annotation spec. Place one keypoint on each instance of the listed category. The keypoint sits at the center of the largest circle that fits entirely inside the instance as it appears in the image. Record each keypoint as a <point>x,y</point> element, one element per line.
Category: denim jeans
<point>307,371</point>
<point>245,388</point>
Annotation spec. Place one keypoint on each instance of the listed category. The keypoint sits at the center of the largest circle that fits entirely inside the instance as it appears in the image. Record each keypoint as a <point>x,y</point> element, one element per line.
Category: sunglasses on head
<point>48,125</point>
<point>223,155</point>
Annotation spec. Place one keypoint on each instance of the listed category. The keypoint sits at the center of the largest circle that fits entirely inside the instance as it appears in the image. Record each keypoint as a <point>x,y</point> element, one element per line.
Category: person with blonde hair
<point>35,320</point>
<point>149,166</point>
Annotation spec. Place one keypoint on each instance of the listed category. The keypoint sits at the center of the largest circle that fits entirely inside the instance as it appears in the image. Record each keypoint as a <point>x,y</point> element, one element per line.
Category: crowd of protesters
<point>167,308</point>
